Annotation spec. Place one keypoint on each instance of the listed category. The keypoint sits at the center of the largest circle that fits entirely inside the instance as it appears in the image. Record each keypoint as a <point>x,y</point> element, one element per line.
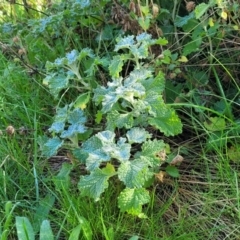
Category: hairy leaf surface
<point>118,120</point>
<point>168,123</point>
<point>138,135</point>
<point>125,42</point>
<point>134,173</point>
<point>150,151</point>
<point>95,184</point>
<point>56,82</point>
<point>51,147</point>
<point>131,200</point>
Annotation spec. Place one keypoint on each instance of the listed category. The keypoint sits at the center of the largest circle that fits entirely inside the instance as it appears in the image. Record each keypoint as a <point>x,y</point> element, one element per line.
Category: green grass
<point>202,204</point>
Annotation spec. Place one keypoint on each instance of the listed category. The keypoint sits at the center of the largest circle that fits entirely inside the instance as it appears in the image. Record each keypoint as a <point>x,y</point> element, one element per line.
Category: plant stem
<point>228,110</point>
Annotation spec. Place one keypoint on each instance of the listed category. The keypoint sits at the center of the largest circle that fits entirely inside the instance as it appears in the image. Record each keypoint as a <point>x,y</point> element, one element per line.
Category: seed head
<point>16,39</point>
<point>22,130</point>
<point>132,6</point>
<point>155,10</point>
<point>190,6</point>
<point>10,130</point>
<point>22,51</point>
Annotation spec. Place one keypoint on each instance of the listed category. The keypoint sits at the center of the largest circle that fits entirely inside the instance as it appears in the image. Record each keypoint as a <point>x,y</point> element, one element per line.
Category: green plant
<point>133,103</point>
<point>198,71</point>
<point>104,118</point>
<point>69,68</point>
<point>5,224</point>
<point>25,229</point>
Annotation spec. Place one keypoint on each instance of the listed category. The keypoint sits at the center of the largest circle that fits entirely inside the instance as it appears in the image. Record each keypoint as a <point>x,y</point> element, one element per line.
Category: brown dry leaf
<point>177,160</point>
<point>121,16</point>
<point>162,155</point>
<point>160,176</point>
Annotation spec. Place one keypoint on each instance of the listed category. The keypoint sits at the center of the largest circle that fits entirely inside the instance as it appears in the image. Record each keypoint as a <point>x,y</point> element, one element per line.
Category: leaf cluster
<point>133,104</point>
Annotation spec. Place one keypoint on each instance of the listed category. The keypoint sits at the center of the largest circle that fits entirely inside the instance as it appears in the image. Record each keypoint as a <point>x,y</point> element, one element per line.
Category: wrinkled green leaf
<point>116,65</point>
<point>106,137</point>
<point>99,94</point>
<point>56,82</point>
<point>168,123</point>
<point>138,135</point>
<point>62,114</point>
<point>201,9</point>
<point>131,200</point>
<point>72,57</point>
<point>57,127</point>
<point>108,96</point>
<point>86,52</point>
<point>130,89</point>
<point>51,147</point>
<point>141,51</point>
<point>50,66</point>
<point>137,75</point>
<point>117,120</point>
<point>73,130</point>
<point>156,84</point>
<point>102,148</point>
<point>125,42</point>
<point>76,118</point>
<point>152,147</point>
<point>119,151</point>
<point>233,153</point>
<point>95,158</point>
<point>144,37</point>
<point>95,184</point>
<point>134,173</point>
<point>140,110</point>
<point>163,117</point>
<point>59,120</point>
<point>150,151</point>
<point>92,144</point>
